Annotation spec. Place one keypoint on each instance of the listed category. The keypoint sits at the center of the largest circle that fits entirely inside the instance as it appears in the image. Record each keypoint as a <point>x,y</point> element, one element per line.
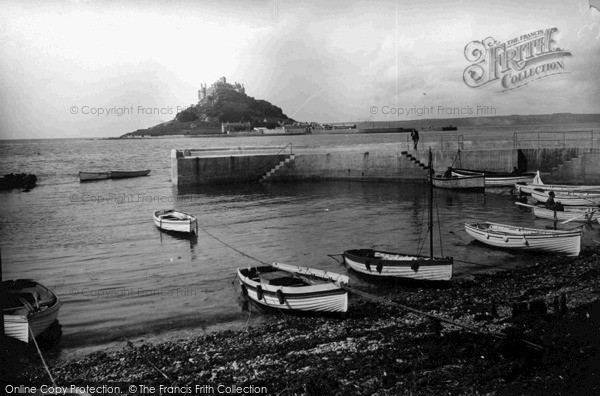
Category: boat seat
<point>287,281</point>
<point>23,297</point>
<point>281,278</point>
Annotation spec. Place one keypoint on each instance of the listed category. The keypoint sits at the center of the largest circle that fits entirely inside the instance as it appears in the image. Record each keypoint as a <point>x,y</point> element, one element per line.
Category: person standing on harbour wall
<point>415,137</point>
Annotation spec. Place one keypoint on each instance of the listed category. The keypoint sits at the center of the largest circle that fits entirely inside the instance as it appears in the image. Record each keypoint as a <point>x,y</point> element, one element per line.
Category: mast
<point>430,225</point>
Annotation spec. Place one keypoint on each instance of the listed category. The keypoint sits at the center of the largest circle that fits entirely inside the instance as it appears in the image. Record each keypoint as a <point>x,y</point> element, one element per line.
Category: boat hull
<point>318,298</point>
<point>465,183</point>
<point>126,174</point>
<point>19,321</point>
<point>91,176</point>
<point>566,243</point>
<point>175,221</point>
<point>571,198</point>
<point>398,265</point>
<point>579,215</point>
<point>497,179</point>
<point>527,188</point>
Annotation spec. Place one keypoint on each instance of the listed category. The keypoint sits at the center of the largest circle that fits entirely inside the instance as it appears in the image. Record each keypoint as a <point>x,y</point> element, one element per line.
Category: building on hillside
<point>205,93</point>
<point>227,127</point>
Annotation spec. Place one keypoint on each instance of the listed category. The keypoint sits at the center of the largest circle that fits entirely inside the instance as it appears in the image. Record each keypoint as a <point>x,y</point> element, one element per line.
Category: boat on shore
<point>30,308</point>
<point>118,174</point>
<point>402,266</point>
<point>294,289</point>
<point>568,198</point>
<point>175,221</point>
<point>563,242</point>
<point>524,188</point>
<point>464,183</point>
<point>399,265</point>
<point>497,179</point>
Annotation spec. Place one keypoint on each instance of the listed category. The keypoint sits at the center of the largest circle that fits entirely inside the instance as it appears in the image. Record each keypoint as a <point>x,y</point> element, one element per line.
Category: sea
<point>120,278</point>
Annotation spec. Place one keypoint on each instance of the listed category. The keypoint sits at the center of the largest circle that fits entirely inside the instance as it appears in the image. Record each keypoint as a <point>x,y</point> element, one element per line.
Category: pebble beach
<point>534,330</point>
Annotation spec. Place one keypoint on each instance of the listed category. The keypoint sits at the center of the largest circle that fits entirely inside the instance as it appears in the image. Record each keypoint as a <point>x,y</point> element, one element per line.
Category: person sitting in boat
<point>448,173</point>
<point>552,204</point>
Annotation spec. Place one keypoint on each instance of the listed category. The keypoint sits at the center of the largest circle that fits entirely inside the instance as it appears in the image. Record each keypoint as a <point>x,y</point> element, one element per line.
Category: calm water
<point>118,276</point>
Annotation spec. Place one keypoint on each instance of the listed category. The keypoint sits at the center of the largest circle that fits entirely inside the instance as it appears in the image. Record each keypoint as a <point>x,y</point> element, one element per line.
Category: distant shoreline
<point>512,121</point>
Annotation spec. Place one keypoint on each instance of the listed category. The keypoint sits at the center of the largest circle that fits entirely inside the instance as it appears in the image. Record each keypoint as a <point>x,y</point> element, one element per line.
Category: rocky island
<point>220,103</point>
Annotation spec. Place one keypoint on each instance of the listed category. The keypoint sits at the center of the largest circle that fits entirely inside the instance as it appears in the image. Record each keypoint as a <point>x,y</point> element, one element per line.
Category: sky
<point>92,68</point>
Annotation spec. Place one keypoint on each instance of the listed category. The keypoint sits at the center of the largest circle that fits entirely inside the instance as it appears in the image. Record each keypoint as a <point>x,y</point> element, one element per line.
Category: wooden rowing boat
<point>497,179</point>
<point>561,242</point>
<point>91,176</point>
<point>399,265</point>
<point>524,188</point>
<point>571,213</point>
<point>30,308</point>
<point>295,289</point>
<point>465,183</point>
<point>402,266</point>
<point>118,174</point>
<point>173,220</point>
<point>577,214</point>
<point>568,198</point>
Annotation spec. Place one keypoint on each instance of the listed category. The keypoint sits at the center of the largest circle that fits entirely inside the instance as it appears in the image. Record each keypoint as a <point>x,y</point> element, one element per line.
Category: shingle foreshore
<point>381,349</point>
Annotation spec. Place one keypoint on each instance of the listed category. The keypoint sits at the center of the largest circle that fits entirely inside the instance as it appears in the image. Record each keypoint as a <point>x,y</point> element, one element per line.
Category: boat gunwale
<point>532,231</point>
<point>417,257</point>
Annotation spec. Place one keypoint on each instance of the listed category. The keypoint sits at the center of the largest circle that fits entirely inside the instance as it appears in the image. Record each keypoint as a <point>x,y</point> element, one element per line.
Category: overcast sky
<point>318,61</point>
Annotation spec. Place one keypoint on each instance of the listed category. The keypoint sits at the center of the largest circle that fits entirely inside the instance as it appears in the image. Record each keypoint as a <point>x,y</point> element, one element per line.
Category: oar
<point>524,204</point>
<point>580,216</point>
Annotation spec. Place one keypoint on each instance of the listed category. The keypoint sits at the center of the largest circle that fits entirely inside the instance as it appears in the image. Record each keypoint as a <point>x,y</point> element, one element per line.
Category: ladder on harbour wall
<point>273,171</point>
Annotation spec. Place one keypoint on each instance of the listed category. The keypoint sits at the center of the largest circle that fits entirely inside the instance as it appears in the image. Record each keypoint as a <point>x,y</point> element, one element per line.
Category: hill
<point>489,121</point>
<point>223,104</point>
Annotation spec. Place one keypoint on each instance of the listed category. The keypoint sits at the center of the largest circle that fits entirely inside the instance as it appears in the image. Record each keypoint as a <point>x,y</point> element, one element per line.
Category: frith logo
<point>516,62</point>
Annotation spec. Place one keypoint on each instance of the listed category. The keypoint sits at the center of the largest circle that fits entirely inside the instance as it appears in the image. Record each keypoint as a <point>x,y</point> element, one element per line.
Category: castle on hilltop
<point>204,93</point>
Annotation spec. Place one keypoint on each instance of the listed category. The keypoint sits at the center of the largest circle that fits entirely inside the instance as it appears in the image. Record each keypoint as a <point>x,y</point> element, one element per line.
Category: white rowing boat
<point>568,198</point>
<point>561,242</point>
<point>464,183</point>
<point>294,289</point>
<point>30,308</point>
<point>524,188</point>
<point>497,179</point>
<point>399,265</point>
<point>173,220</point>
<point>571,213</point>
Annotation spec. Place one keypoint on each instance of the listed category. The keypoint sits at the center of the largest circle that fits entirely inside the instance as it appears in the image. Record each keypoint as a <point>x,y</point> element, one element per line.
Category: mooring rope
<point>385,301</point>
<point>233,248</point>
<point>41,356</point>
<point>129,343</point>
<point>432,316</point>
<point>482,265</point>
